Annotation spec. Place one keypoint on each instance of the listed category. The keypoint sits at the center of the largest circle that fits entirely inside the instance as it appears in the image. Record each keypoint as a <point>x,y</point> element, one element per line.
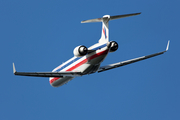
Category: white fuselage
<point>87,64</point>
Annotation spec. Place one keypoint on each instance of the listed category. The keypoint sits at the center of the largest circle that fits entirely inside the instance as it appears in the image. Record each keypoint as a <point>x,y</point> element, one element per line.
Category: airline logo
<point>104,31</point>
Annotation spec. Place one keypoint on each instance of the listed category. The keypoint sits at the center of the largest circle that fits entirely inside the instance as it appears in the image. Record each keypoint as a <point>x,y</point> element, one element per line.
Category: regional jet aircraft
<point>88,60</point>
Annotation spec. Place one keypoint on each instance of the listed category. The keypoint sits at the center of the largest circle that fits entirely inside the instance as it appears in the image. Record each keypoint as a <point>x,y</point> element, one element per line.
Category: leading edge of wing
<point>119,64</point>
<point>47,74</point>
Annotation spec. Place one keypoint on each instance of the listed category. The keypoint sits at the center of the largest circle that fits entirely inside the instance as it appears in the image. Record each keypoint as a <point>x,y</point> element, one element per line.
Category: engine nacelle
<point>113,46</point>
<point>80,51</point>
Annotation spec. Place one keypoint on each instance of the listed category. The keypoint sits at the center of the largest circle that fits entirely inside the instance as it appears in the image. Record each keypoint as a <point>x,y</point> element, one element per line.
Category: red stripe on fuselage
<point>98,54</point>
<point>85,60</point>
<point>77,65</point>
<point>81,63</point>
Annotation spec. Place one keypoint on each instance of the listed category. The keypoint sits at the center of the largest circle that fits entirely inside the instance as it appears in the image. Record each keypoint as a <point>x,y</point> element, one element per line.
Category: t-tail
<point>105,24</point>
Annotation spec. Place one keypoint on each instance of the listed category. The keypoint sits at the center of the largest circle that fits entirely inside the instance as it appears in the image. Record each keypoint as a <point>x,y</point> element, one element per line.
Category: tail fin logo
<point>104,31</point>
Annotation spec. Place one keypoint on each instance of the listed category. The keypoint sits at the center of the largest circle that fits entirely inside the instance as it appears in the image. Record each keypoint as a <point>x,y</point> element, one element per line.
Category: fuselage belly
<point>87,64</point>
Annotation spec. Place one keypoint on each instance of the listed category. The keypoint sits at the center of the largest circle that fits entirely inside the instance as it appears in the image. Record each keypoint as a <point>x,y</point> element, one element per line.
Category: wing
<point>46,74</point>
<point>119,64</point>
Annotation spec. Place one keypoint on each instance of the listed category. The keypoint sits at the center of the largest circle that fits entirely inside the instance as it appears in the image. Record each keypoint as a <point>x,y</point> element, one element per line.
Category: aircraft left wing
<point>47,74</point>
<point>119,64</point>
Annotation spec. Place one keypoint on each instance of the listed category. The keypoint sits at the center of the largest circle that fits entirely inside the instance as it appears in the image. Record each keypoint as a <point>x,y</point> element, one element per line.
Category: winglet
<point>167,45</point>
<point>14,69</point>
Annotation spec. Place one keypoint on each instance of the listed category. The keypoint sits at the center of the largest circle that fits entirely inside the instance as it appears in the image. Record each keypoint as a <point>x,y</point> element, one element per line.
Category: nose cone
<point>59,81</point>
<point>53,81</point>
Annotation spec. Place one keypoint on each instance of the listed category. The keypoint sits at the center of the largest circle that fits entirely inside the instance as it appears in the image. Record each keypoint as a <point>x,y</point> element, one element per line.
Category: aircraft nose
<point>51,80</point>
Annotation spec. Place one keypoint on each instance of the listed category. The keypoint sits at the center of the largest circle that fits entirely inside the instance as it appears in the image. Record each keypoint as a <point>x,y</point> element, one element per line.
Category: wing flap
<point>48,74</point>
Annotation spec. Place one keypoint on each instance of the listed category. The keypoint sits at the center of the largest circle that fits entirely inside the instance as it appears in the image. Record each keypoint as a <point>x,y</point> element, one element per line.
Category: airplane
<point>88,60</point>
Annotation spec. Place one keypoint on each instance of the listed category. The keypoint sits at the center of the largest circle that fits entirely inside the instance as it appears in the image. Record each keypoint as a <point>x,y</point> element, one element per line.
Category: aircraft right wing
<point>119,64</point>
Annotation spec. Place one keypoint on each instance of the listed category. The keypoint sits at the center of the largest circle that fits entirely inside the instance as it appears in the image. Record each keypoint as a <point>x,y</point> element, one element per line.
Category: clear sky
<point>38,35</point>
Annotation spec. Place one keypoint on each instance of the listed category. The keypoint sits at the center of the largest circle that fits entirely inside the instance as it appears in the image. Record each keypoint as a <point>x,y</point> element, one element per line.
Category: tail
<point>105,24</point>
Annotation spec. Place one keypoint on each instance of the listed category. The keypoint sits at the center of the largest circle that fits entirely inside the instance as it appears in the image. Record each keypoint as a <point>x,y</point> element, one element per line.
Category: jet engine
<point>80,51</point>
<point>113,46</point>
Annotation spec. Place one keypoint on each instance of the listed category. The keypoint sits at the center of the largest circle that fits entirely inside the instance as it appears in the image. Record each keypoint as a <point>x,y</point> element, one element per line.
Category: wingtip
<point>83,21</point>
<point>167,45</point>
<point>138,13</point>
<point>14,69</point>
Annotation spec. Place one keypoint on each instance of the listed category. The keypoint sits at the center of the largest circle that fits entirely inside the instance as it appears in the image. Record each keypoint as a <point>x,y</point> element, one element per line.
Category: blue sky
<point>38,35</point>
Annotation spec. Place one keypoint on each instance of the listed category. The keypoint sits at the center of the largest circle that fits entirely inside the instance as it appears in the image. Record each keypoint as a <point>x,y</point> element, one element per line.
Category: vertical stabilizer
<point>105,29</point>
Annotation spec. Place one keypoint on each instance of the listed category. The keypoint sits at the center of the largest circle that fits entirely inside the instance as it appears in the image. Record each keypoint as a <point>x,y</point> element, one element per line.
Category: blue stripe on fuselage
<point>77,58</point>
<point>101,46</point>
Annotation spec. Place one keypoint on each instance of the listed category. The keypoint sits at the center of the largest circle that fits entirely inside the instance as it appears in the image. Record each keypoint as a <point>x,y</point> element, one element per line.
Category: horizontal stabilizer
<point>109,17</point>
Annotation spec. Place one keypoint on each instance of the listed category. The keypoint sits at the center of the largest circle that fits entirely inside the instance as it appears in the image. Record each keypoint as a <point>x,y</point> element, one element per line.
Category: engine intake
<point>80,51</point>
